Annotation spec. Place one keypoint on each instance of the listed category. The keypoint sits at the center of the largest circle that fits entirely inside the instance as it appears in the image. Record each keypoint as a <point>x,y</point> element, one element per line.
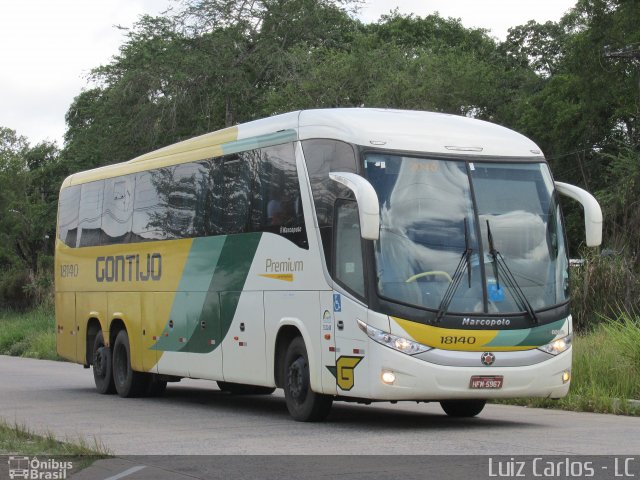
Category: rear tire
<point>128,382</point>
<point>462,408</point>
<point>102,368</point>
<point>303,404</point>
<point>242,389</point>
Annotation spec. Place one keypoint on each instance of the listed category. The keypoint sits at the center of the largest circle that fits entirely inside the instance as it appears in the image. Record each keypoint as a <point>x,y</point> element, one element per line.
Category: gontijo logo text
<point>129,268</point>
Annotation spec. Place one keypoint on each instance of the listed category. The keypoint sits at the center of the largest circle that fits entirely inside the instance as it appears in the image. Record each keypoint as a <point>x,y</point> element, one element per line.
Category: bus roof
<point>402,130</point>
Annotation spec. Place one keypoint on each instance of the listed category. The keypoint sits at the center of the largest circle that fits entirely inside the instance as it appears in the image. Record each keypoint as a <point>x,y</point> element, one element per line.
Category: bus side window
<point>68,215</point>
<point>117,214</point>
<point>237,194</point>
<point>321,157</point>
<point>90,221</point>
<point>147,208</point>
<point>348,266</point>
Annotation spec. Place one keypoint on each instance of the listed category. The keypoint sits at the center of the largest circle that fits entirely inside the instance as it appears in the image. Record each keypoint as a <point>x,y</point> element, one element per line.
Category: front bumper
<point>416,379</point>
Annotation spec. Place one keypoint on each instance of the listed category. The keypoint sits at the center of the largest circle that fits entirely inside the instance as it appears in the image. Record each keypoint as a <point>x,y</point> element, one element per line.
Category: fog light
<point>388,377</point>
<point>566,376</point>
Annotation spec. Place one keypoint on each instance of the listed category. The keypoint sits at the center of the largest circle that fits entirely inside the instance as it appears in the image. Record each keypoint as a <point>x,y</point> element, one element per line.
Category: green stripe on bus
<point>222,263</point>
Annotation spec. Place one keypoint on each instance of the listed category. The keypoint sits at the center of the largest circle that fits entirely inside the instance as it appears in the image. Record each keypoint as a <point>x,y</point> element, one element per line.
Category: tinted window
<point>322,157</point>
<point>169,202</point>
<point>254,191</point>
<point>117,213</point>
<point>237,191</point>
<point>279,206</point>
<point>68,215</point>
<point>148,207</point>
<point>89,225</point>
<point>348,269</point>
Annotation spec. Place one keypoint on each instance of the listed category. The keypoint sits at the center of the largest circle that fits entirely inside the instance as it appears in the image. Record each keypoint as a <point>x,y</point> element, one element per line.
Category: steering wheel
<point>438,273</point>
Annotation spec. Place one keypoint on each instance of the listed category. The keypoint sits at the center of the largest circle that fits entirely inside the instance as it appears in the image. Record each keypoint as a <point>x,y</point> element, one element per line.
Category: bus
<point>339,254</point>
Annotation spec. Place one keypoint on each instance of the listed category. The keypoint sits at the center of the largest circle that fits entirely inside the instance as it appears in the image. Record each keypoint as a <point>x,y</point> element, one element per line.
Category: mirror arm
<point>592,211</point>
<point>367,198</point>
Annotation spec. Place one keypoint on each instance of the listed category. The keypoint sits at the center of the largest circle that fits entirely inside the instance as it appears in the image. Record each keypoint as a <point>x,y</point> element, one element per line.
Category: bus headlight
<point>387,339</point>
<point>557,346</point>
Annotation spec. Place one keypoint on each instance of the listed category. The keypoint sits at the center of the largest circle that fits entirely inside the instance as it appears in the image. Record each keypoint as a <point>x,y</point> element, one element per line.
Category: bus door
<point>347,309</point>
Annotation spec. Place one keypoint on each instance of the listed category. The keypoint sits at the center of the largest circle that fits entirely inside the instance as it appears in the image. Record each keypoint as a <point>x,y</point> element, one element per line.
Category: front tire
<point>303,404</point>
<point>128,382</point>
<point>102,368</point>
<point>462,408</point>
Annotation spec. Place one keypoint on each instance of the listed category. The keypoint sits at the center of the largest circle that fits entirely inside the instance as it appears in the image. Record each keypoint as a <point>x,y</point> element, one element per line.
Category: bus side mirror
<point>592,212</point>
<point>367,198</point>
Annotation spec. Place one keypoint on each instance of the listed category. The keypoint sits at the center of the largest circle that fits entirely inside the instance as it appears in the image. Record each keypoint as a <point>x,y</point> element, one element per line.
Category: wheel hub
<point>98,362</point>
<point>298,382</point>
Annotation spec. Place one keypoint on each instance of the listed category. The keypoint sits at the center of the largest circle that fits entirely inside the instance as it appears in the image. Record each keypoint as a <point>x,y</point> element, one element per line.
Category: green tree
<point>28,199</point>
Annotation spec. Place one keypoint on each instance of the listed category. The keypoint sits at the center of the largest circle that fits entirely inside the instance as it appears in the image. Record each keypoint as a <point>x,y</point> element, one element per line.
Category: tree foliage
<point>214,63</point>
<point>29,179</point>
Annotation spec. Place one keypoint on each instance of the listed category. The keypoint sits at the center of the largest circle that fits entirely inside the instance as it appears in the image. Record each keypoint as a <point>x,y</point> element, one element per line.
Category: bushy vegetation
<point>603,287</point>
<point>606,370</point>
<point>28,334</point>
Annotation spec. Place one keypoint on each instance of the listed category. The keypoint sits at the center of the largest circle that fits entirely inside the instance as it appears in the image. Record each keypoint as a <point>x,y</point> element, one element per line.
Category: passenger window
<point>68,215</point>
<point>117,214</point>
<point>168,202</point>
<point>279,198</point>
<point>349,267</point>
<point>90,221</point>
<point>148,208</point>
<point>237,193</point>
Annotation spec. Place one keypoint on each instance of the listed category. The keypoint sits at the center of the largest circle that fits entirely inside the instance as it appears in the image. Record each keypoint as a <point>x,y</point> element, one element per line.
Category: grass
<point>29,334</point>
<point>606,370</point>
<point>17,440</point>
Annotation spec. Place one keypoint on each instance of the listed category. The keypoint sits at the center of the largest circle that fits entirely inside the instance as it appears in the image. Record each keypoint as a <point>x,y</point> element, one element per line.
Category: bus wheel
<point>242,389</point>
<point>303,404</point>
<point>128,382</point>
<point>102,371</point>
<point>462,408</point>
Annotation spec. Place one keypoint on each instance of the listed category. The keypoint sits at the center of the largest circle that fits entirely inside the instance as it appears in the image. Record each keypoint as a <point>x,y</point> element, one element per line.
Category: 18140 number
<point>454,340</point>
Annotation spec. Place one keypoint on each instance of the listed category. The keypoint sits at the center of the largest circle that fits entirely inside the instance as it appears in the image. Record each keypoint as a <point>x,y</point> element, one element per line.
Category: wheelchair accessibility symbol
<point>337,302</point>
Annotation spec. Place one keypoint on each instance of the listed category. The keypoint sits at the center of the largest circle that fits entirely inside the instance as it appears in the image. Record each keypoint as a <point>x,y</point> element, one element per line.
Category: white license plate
<point>486,382</point>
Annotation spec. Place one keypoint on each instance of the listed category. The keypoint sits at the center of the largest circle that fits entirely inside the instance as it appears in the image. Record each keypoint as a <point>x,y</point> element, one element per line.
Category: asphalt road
<point>195,418</point>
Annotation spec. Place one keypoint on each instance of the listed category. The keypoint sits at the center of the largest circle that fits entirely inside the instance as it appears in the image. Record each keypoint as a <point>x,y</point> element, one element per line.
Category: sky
<point>48,47</point>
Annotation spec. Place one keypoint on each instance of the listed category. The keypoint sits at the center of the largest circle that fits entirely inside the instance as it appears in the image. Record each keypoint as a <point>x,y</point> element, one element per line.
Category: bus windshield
<point>468,237</point>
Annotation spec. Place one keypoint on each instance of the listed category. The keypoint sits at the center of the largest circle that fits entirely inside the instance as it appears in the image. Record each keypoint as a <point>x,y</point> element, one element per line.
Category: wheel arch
<point>289,329</point>
<point>117,324</point>
<point>93,327</point>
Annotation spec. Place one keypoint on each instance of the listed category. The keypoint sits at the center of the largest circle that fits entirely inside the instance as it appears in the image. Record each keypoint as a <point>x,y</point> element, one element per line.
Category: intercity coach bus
<point>340,254</point>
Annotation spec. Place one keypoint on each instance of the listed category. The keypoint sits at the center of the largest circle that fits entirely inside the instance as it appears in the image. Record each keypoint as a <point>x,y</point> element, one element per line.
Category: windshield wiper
<point>499,264</point>
<point>463,264</point>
